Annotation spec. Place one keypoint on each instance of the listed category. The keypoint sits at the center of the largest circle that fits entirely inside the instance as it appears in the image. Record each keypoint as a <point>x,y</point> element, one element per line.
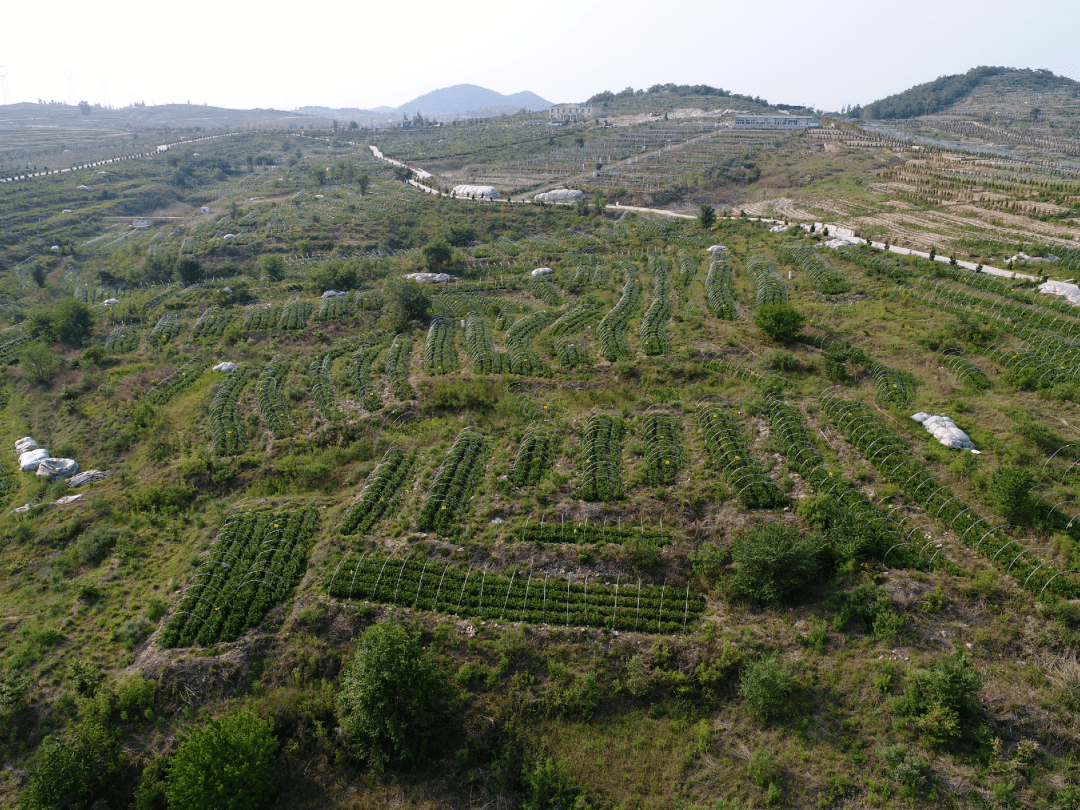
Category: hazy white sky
<point>366,54</point>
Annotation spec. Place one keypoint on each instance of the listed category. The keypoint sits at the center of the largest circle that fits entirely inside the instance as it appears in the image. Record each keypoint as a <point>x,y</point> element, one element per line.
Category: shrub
<point>765,686</point>
<point>942,698</point>
<point>1010,488</point>
<point>405,300</point>
<point>392,696</point>
<point>774,561</point>
<point>227,765</point>
<point>72,772</point>
<point>779,320</point>
<point>94,545</point>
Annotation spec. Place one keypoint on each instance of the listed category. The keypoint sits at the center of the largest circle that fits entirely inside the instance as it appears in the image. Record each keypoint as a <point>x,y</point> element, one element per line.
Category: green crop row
<point>571,353</point>
<point>322,387</point>
<point>873,262</point>
<point>523,358</point>
<point>559,531</point>
<point>537,452</point>
<point>611,333</point>
<point>254,563</point>
<point>226,421</point>
<point>653,329</point>
<point>444,507</point>
<point>544,290</point>
<point>719,288</point>
<point>768,286</point>
<point>440,587</point>
<point>601,459</point>
<point>212,323</point>
<point>664,454</point>
<point>971,376</point>
<point>268,398</point>
<point>380,491</point>
<point>261,318</point>
<point>894,459</point>
<point>574,320</point>
<point>826,280</point>
<point>167,329</point>
<point>485,360</point>
<point>295,314</point>
<point>360,377</point>
<point>122,339</point>
<point>688,270</point>
<point>177,381</point>
<point>440,355</point>
<point>397,367</point>
<point>732,456</point>
<point>336,308</point>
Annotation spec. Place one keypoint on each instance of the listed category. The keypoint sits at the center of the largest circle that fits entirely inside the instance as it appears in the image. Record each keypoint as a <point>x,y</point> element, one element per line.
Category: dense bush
<point>393,696</point>
<point>775,561</point>
<point>73,772</point>
<point>226,765</point>
<point>779,320</point>
<point>942,700</point>
<point>765,686</point>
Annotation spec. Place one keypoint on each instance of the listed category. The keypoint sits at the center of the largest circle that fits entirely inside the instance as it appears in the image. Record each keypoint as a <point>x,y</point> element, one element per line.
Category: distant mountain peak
<point>462,98</point>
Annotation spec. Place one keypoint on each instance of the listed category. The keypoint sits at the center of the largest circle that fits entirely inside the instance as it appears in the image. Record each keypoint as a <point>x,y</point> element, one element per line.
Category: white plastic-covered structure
<point>542,271</point>
<point>25,444</point>
<point>226,366</point>
<point>715,248</point>
<point>88,477</point>
<point>428,278</point>
<point>111,301</point>
<point>945,431</point>
<point>55,468</point>
<point>1070,292</point>
<point>476,192</point>
<point>562,195</point>
<point>333,294</point>
<point>29,461</point>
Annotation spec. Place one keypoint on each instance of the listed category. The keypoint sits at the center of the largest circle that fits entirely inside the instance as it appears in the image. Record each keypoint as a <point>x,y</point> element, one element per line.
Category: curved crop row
<point>523,358</point>
<point>664,454</point>
<point>440,587</point>
<point>167,329</point>
<point>10,348</point>
<point>295,314</point>
<point>874,263</point>
<point>731,454</point>
<point>574,320</point>
<point>322,387</point>
<point>177,381</point>
<point>397,367</point>
<point>560,531</point>
<point>894,459</point>
<point>536,453</point>
<point>360,377</point>
<point>768,286</point>
<point>595,276</point>
<point>226,422</point>
<point>380,492</point>
<point>261,318</point>
<point>460,473</point>
<point>122,339</point>
<point>688,270</point>
<point>653,329</point>
<point>611,333</point>
<point>571,353</point>
<point>369,300</point>
<point>254,563</point>
<point>485,360</point>
<point>826,280</point>
<point>971,376</point>
<point>268,398</point>
<point>601,459</point>
<point>544,290</point>
<point>212,323</point>
<point>894,387</point>
<point>336,308</point>
<point>440,355</point>
<point>719,288</point>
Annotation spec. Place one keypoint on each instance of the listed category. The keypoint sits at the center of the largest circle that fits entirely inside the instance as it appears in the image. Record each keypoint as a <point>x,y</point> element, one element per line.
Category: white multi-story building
<point>776,121</point>
<point>570,112</point>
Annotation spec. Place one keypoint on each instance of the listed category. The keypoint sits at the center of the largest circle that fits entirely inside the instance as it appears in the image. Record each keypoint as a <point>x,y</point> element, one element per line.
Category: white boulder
<point>25,444</point>
<point>29,461</point>
<point>57,468</point>
<point>542,271</point>
<point>226,366</point>
<point>945,431</point>
<point>333,294</point>
<point>428,278</point>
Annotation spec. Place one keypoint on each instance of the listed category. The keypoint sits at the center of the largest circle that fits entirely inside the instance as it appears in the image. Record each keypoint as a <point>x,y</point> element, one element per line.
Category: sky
<point>370,54</point>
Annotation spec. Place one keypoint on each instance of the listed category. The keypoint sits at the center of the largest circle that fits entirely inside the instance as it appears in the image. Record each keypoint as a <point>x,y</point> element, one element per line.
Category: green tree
<point>707,216</point>
<point>189,271</point>
<point>779,320</point>
<point>159,267</point>
<point>71,321</point>
<point>226,765</point>
<point>362,182</point>
<point>39,324</point>
<point>775,561</point>
<point>392,697</point>
<point>599,201</point>
<point>73,772</point>
<point>1011,490</point>
<point>405,300</point>
<point>437,254</point>
<point>765,686</point>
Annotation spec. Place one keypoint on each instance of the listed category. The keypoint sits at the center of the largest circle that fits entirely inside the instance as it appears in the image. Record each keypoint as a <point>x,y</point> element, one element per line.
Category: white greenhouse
<point>476,192</point>
<point>560,195</point>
